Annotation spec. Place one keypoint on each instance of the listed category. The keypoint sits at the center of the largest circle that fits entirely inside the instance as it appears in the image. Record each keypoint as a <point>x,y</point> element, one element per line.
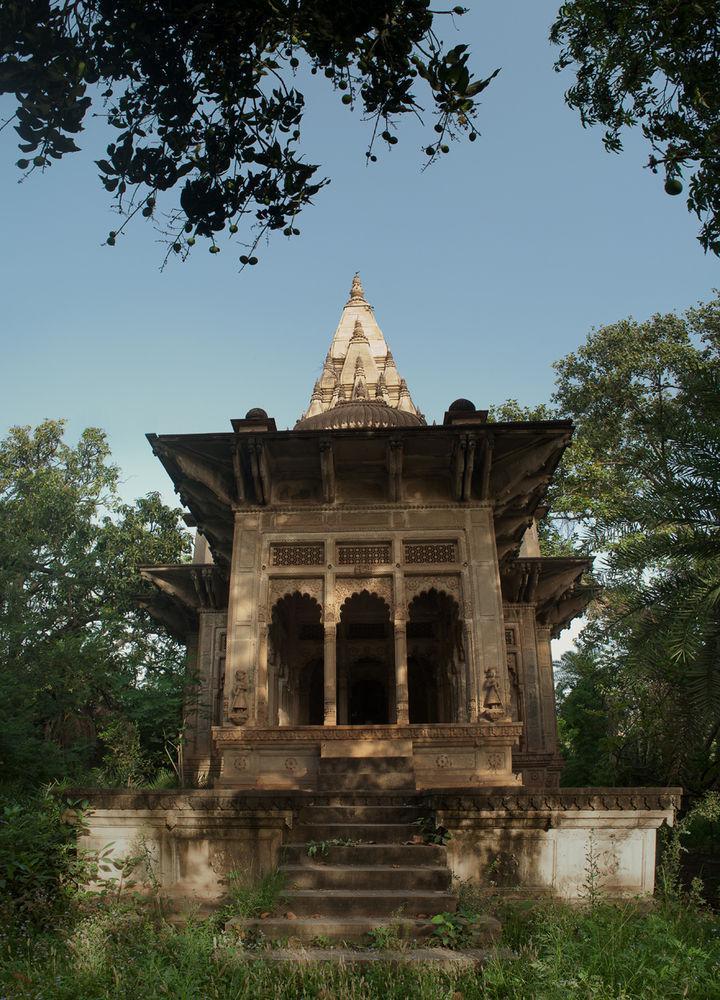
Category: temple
<point>367,577</point>
<point>368,621</point>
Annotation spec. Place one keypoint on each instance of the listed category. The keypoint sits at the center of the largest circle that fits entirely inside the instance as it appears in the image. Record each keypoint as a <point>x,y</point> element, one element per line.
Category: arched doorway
<point>436,660</point>
<point>365,662</point>
<point>295,662</point>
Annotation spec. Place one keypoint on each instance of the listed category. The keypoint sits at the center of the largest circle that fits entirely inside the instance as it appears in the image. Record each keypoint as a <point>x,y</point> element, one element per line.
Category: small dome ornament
<point>461,406</point>
<point>357,292</point>
<point>358,333</point>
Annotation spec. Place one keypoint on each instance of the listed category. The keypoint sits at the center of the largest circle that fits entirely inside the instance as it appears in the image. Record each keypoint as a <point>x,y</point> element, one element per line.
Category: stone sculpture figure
<point>239,698</point>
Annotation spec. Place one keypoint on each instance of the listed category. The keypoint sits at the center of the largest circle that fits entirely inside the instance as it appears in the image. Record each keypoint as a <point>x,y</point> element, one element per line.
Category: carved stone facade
<point>368,586</point>
<point>373,579</point>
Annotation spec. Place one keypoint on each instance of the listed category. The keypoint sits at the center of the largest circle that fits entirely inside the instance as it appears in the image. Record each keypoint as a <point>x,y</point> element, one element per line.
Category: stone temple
<point>368,620</point>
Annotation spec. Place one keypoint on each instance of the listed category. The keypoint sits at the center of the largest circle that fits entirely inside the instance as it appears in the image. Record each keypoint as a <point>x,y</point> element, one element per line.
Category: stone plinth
<point>287,757</point>
<point>524,842</point>
<point>541,842</point>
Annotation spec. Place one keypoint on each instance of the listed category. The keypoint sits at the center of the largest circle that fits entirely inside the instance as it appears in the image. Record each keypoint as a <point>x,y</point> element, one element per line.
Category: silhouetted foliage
<point>656,65</point>
<point>203,98</point>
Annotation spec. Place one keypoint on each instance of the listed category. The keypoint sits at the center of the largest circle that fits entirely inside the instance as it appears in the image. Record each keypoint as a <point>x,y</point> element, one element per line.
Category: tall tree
<point>74,650</point>
<point>655,64</point>
<point>643,483</point>
<point>203,98</point>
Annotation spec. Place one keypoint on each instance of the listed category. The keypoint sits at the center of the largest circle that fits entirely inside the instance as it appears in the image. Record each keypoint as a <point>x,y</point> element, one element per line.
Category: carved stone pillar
<point>401,675</point>
<point>472,700</point>
<point>330,675</point>
<point>547,688</point>
<point>261,695</point>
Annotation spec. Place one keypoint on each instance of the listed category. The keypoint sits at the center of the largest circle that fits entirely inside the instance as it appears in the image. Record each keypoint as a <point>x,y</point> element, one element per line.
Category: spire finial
<point>358,332</point>
<point>357,294</point>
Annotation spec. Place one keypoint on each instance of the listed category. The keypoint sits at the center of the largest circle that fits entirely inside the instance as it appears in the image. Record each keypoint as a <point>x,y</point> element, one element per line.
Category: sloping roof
<point>553,584</point>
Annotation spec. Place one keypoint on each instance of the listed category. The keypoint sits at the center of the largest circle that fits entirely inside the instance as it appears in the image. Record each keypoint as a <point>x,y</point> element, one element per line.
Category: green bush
<point>40,869</point>
<point>252,899</point>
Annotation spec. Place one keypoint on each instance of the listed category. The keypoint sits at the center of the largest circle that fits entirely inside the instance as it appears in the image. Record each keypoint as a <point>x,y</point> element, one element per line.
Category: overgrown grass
<point>604,952</point>
<point>251,899</point>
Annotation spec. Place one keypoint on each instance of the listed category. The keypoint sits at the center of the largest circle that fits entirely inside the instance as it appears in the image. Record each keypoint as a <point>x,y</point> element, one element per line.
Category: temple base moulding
<point>444,755</point>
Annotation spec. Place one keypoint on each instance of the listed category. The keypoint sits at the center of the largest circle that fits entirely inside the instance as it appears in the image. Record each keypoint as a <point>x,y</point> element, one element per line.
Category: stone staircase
<point>355,866</point>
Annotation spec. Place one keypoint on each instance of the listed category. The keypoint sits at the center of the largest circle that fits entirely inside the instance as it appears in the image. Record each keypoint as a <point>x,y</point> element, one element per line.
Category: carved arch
<point>447,584</point>
<point>281,587</point>
<point>348,587</point>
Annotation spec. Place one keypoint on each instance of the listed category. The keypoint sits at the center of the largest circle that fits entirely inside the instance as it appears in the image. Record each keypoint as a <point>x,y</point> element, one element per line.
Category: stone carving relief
<point>450,585</point>
<point>280,587</point>
<point>430,552</point>
<point>492,703</point>
<point>282,554</point>
<point>238,707</point>
<point>495,761</point>
<point>381,586</point>
<point>442,760</point>
<point>364,555</point>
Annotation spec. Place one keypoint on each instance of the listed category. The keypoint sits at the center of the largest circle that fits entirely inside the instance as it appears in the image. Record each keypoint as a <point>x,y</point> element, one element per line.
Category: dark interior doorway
<point>422,691</point>
<point>366,662</point>
<point>316,693</point>
<point>368,700</point>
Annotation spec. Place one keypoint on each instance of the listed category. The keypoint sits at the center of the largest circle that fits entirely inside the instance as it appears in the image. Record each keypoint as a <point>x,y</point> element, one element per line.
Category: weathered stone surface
<point>368,619</point>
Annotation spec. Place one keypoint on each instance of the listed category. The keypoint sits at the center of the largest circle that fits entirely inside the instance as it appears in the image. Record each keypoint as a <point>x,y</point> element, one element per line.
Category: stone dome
<point>359,413</point>
<point>461,406</point>
<point>256,413</point>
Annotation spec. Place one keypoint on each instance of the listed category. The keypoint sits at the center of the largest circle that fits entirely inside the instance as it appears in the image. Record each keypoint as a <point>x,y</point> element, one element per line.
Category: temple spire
<point>357,293</point>
<point>359,365</point>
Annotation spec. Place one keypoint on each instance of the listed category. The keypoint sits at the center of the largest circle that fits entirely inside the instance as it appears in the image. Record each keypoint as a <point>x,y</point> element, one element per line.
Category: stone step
<point>322,876</point>
<point>440,958</point>
<point>360,814</point>
<point>361,781</point>
<point>376,833</point>
<point>414,855</point>
<point>376,765</point>
<point>356,930</point>
<point>365,902</point>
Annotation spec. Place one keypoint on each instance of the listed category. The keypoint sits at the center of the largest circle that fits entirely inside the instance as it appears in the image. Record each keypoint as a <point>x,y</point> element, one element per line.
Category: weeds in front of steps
<point>389,937</point>
<point>635,950</point>
<point>252,898</point>
<point>431,832</point>
<point>318,849</point>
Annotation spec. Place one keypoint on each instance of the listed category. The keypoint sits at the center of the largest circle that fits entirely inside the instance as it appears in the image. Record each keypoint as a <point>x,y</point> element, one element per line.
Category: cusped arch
<point>448,584</point>
<point>435,600</point>
<point>346,588</point>
<point>369,600</point>
<point>308,606</point>
<point>281,588</point>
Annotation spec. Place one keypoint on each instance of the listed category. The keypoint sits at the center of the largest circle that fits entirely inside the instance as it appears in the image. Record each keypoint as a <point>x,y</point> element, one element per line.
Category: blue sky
<point>482,270</point>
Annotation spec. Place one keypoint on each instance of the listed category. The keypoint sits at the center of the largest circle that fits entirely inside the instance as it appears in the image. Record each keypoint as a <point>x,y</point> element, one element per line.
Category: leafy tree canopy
<point>74,650</point>
<point>203,101</point>
<point>657,64</point>
<point>642,485</point>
